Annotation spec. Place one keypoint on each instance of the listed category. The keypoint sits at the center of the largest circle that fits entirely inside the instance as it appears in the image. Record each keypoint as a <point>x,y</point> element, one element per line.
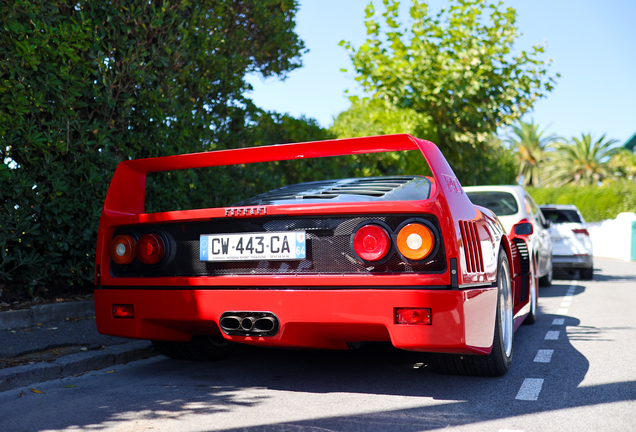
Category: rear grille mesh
<point>328,248</point>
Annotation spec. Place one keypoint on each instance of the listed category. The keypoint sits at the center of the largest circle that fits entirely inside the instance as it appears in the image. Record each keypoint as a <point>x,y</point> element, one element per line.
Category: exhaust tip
<point>248,323</point>
<point>230,323</point>
<point>265,324</point>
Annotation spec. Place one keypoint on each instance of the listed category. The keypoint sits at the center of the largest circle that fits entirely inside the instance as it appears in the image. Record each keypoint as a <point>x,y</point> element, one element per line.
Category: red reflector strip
<point>581,231</point>
<point>419,316</point>
<point>123,311</point>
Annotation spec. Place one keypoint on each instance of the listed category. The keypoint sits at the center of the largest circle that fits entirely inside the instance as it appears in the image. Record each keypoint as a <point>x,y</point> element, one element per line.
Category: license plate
<point>288,245</point>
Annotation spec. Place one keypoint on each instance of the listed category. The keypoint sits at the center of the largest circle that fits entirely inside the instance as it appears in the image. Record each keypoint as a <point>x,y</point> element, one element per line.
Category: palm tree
<point>530,145</point>
<point>581,162</point>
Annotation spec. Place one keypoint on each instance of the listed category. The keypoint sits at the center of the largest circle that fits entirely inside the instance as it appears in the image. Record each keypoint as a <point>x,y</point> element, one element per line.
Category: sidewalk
<point>56,340</point>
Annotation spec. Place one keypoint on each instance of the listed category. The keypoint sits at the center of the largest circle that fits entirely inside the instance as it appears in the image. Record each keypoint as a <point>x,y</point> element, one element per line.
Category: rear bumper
<point>463,321</point>
<point>572,261</point>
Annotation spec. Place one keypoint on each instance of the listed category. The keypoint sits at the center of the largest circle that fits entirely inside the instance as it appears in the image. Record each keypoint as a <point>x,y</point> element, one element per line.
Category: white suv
<point>570,239</point>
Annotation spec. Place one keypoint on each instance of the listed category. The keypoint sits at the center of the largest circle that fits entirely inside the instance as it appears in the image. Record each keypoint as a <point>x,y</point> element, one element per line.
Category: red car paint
<point>315,310</point>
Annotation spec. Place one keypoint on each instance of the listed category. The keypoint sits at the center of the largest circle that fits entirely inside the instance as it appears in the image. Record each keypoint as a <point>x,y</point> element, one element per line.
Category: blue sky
<point>593,45</point>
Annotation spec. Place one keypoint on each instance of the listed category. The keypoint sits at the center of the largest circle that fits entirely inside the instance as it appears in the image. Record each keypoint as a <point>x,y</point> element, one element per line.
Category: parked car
<point>572,245</point>
<point>512,204</point>
<point>326,264</point>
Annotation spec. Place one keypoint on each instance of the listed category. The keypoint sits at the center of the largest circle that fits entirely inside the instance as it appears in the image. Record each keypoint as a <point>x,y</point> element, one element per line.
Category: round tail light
<point>122,249</point>
<point>415,241</point>
<point>371,242</point>
<point>150,249</point>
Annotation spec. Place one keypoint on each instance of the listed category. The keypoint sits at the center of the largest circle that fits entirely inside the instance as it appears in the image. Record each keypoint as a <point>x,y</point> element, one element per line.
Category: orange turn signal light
<point>122,249</point>
<point>415,241</point>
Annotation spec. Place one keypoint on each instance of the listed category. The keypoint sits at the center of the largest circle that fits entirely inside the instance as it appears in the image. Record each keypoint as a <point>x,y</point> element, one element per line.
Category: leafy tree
<point>234,183</point>
<point>581,162</point>
<point>370,117</point>
<point>623,164</point>
<point>365,117</point>
<point>530,145</point>
<point>285,129</point>
<point>456,67</point>
<point>496,165</point>
<point>86,84</point>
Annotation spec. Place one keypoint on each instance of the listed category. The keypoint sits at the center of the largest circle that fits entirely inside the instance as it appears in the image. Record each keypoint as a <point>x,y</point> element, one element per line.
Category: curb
<point>71,364</point>
<point>45,313</point>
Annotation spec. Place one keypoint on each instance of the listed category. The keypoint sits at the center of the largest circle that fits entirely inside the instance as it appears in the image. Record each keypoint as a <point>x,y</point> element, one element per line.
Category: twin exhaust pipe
<point>249,323</point>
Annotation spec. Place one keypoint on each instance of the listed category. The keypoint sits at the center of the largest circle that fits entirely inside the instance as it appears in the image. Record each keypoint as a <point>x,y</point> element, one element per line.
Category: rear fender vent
<point>472,248</point>
<point>516,259</point>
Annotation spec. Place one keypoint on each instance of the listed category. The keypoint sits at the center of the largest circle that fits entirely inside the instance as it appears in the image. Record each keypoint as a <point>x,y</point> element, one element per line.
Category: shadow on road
<point>382,388</point>
<point>614,278</point>
<point>180,390</point>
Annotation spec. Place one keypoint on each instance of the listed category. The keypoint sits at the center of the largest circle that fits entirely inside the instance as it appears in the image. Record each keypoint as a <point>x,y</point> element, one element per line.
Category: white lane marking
<point>543,356</point>
<point>530,389</point>
<point>566,302</point>
<point>552,335</point>
<point>558,321</point>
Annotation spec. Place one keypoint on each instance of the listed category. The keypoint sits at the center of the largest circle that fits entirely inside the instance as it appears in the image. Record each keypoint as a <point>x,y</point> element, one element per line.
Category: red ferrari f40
<point>328,264</point>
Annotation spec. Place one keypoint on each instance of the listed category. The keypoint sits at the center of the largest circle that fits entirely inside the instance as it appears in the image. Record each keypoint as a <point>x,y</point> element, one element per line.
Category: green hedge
<point>596,203</point>
<point>87,84</point>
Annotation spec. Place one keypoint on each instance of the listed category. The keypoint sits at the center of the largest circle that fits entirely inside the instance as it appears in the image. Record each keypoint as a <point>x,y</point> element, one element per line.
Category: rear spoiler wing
<point>126,194</point>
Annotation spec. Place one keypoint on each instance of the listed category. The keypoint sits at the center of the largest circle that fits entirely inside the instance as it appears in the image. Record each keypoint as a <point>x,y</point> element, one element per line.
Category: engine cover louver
<point>346,190</point>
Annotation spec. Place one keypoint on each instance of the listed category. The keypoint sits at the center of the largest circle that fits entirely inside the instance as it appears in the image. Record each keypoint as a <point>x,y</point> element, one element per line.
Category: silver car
<point>572,245</point>
<point>512,204</point>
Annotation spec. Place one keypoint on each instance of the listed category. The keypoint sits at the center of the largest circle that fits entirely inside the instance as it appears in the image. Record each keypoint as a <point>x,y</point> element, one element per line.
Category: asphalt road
<point>573,370</point>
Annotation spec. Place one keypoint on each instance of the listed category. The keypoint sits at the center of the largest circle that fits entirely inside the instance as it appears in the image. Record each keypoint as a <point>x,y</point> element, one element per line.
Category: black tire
<point>587,273</point>
<point>498,362</point>
<point>546,280</point>
<point>200,348</point>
